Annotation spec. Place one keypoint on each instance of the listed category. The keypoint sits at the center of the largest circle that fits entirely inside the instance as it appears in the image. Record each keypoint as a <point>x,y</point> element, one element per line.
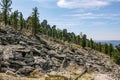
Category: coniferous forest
<point>35,26</point>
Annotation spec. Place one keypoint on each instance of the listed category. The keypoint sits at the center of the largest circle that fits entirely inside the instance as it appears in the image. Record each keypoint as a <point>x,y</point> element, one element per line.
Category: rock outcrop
<point>22,55</point>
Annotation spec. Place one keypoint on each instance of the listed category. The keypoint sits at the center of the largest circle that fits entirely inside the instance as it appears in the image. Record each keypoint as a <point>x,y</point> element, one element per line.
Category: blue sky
<point>99,19</point>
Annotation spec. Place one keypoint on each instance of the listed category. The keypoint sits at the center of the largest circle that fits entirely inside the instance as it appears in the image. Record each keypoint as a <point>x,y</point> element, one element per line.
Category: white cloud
<point>94,16</point>
<point>71,4</point>
<point>41,1</point>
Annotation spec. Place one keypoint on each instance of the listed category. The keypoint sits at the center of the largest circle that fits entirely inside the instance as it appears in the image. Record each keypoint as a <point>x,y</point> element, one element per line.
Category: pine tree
<point>0,16</point>
<point>118,48</point>
<point>35,21</point>
<point>110,49</point>
<point>44,23</point>
<point>83,44</point>
<point>64,34</point>
<point>21,21</point>
<point>116,54</point>
<point>29,23</point>
<point>105,48</point>
<point>88,43</point>
<point>72,37</point>
<point>91,43</point>
<point>99,47</point>
<point>49,30</point>
<point>6,4</point>
<point>54,31</point>
<point>15,19</point>
<point>78,39</point>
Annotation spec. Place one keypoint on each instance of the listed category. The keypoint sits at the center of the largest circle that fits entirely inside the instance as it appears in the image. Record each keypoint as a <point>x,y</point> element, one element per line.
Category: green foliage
<point>78,40</point>
<point>35,21</point>
<point>21,21</point>
<point>116,54</point>
<point>29,22</point>
<point>99,47</point>
<point>65,34</point>
<point>5,4</point>
<point>44,23</point>
<point>105,48</point>
<point>54,31</point>
<point>15,19</point>
<point>1,17</point>
<point>83,44</point>
<point>116,57</point>
<point>110,49</point>
<point>118,48</point>
<point>91,43</point>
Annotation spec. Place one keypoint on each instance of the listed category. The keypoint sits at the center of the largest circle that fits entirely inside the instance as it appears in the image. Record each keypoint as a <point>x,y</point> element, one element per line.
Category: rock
<point>37,52</point>
<point>4,63</point>
<point>3,31</point>
<point>1,49</point>
<point>7,53</point>
<point>53,53</point>
<point>23,43</point>
<point>29,55</point>
<point>11,73</point>
<point>49,47</point>
<point>102,77</point>
<point>3,69</point>
<point>16,63</point>
<point>23,54</point>
<point>18,55</point>
<point>26,70</point>
<point>22,50</point>
<point>1,57</point>
<point>65,63</point>
<point>64,73</point>
<point>46,65</point>
<point>38,60</point>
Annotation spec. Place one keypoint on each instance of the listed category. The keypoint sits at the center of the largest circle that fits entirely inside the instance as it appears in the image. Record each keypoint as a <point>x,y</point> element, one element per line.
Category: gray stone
<point>26,70</point>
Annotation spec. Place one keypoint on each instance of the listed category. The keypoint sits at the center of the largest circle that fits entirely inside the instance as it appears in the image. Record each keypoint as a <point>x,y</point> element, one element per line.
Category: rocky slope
<point>22,55</point>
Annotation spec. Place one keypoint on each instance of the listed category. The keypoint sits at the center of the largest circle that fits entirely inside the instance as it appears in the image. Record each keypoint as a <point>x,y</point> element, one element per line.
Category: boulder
<point>8,72</point>
<point>26,70</point>
<point>7,53</point>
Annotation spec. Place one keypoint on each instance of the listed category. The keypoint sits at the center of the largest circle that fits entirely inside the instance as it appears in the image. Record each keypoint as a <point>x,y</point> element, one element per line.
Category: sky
<point>98,19</point>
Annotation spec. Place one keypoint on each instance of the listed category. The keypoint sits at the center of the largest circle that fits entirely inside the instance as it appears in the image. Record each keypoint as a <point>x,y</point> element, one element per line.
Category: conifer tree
<point>72,37</point>
<point>110,50</point>
<point>0,16</point>
<point>21,21</point>
<point>78,39</point>
<point>44,23</point>
<point>49,31</point>
<point>29,23</point>
<point>105,48</point>
<point>83,44</point>
<point>35,21</point>
<point>54,31</point>
<point>116,54</point>
<point>91,43</point>
<point>64,34</point>
<point>6,4</point>
<point>99,47</point>
<point>88,43</point>
<point>15,19</point>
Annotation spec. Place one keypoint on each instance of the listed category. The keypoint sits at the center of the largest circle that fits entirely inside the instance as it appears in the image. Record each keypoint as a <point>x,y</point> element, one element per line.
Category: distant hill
<point>113,42</point>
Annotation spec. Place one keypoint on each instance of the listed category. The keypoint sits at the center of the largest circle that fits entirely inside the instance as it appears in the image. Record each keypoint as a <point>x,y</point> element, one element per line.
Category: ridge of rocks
<point>21,55</point>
